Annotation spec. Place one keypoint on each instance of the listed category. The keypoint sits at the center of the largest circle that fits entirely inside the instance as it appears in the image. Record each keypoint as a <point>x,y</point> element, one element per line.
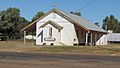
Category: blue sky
<point>96,11</point>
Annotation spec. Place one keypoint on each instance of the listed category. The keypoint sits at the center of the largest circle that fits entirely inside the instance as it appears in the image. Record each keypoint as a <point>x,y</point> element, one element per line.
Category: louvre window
<point>50,32</point>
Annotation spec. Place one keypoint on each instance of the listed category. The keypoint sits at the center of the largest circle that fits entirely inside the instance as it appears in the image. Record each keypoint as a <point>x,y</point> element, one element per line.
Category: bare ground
<point>17,46</point>
<point>56,64</point>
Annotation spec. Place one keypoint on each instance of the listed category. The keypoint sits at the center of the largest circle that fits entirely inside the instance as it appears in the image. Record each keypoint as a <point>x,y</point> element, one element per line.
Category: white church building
<point>57,27</point>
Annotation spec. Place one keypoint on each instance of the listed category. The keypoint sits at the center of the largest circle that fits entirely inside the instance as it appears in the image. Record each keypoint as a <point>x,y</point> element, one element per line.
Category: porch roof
<point>57,26</point>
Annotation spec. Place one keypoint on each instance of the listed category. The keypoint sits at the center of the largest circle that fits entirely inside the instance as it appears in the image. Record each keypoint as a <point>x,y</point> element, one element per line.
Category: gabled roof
<point>80,21</point>
<point>57,26</point>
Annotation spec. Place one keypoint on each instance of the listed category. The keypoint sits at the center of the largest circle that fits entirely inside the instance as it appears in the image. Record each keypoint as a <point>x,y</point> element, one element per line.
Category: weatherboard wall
<point>69,35</point>
<point>66,36</point>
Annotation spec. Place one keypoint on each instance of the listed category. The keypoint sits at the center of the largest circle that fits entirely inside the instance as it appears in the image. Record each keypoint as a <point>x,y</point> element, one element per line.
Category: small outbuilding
<point>57,27</point>
<point>113,37</point>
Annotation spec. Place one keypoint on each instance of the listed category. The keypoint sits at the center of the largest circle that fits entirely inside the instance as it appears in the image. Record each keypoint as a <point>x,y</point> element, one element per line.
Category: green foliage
<point>11,22</point>
<point>76,13</point>
<point>111,23</point>
<point>97,24</point>
<point>38,15</point>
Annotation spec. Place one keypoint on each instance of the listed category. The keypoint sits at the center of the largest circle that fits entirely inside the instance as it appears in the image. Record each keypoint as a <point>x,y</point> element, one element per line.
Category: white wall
<point>55,34</point>
<point>67,33</point>
<point>102,40</point>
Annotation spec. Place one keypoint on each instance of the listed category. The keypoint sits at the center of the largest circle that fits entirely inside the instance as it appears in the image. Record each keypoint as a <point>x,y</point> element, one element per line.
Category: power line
<point>86,5</point>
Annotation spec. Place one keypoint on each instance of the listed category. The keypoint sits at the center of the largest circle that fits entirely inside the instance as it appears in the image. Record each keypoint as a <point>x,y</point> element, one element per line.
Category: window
<point>50,32</point>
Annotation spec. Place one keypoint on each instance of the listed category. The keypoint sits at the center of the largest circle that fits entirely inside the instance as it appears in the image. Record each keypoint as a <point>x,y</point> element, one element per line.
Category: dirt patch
<point>56,64</point>
<point>18,46</point>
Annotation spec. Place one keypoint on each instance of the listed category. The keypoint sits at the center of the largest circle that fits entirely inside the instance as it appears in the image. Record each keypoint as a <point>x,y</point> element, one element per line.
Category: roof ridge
<point>81,19</point>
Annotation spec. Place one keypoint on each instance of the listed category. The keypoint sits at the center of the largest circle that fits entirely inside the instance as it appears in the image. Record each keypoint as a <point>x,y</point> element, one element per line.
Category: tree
<point>97,24</point>
<point>112,23</point>
<point>76,13</point>
<point>11,22</point>
<point>38,15</point>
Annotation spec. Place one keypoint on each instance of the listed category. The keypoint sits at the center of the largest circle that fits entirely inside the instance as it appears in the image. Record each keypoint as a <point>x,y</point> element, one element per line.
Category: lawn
<point>18,46</point>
